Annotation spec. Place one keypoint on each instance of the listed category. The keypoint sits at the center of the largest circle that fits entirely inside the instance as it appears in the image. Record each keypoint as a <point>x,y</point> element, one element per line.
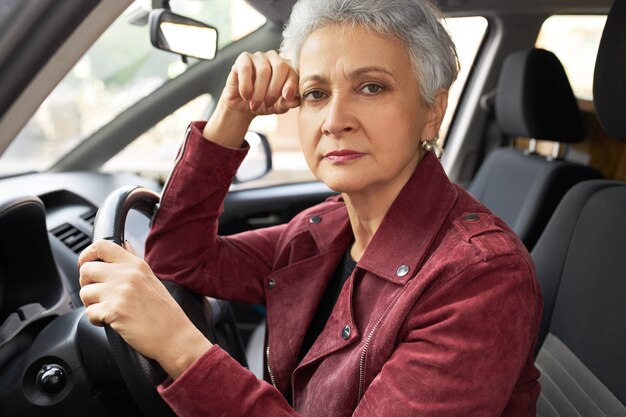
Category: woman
<point>400,296</point>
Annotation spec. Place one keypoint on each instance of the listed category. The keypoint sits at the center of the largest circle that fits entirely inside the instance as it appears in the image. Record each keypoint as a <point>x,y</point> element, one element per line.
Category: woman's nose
<point>340,117</point>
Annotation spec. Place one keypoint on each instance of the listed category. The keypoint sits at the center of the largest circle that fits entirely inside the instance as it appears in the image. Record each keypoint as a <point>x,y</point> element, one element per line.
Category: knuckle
<point>93,316</point>
<point>82,293</point>
<point>263,68</point>
<point>283,65</point>
<point>126,289</point>
<point>83,273</point>
<point>112,313</point>
<point>244,57</point>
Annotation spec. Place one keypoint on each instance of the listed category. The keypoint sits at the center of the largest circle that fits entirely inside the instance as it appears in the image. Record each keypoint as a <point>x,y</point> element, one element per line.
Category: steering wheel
<point>214,319</point>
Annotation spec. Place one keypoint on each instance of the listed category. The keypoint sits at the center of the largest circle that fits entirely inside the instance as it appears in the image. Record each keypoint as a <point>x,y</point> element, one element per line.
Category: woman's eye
<point>314,95</point>
<point>372,89</point>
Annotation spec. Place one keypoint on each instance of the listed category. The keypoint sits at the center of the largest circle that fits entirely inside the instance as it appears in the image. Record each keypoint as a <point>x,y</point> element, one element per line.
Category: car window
<point>118,70</point>
<point>575,40</point>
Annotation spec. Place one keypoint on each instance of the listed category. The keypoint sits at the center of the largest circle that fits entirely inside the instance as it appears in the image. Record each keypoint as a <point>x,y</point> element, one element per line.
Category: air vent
<point>89,216</point>
<point>71,237</point>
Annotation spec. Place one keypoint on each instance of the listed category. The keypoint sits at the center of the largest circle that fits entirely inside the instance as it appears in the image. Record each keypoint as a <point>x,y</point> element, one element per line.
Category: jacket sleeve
<point>466,349</point>
<point>183,245</point>
<point>216,385</point>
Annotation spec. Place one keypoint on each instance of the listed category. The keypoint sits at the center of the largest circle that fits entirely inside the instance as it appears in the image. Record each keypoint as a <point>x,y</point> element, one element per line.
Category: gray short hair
<point>415,22</point>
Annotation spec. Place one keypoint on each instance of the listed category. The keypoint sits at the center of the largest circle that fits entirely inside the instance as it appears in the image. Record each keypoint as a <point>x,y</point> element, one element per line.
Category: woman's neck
<point>366,212</point>
<point>368,207</point>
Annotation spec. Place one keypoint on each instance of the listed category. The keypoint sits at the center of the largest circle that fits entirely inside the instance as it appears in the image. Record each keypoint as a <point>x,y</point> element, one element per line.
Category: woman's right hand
<point>258,84</point>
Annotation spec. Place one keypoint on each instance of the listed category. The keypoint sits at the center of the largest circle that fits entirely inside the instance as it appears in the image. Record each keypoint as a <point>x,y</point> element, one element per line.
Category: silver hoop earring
<point>431,145</point>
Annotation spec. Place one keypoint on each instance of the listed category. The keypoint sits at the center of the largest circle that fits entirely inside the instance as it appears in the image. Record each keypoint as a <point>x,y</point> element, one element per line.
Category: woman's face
<point>361,115</point>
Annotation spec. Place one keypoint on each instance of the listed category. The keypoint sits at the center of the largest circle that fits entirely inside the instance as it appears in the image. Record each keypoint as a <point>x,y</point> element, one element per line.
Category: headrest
<point>609,80</point>
<point>535,98</point>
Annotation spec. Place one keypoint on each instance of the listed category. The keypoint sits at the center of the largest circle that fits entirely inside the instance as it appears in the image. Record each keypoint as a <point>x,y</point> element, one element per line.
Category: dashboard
<point>70,202</point>
<point>46,220</point>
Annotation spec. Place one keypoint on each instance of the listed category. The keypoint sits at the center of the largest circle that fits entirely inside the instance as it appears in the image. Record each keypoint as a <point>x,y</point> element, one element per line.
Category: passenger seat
<point>534,100</point>
<point>581,267</point>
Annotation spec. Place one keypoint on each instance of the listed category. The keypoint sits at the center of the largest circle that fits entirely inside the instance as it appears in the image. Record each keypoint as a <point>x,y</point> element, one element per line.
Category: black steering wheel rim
<point>141,374</point>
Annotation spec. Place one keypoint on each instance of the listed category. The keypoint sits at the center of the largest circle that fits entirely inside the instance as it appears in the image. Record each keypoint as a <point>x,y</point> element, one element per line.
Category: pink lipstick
<point>343,155</point>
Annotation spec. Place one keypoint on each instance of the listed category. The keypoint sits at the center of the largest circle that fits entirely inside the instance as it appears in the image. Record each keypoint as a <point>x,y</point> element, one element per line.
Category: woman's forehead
<point>350,49</point>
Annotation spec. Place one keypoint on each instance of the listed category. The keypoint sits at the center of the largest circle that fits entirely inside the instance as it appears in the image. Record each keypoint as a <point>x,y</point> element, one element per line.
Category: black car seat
<point>581,266</point>
<point>534,100</point>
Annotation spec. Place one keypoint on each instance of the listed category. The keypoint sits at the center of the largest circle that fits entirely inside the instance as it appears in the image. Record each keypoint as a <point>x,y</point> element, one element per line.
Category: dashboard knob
<point>51,379</point>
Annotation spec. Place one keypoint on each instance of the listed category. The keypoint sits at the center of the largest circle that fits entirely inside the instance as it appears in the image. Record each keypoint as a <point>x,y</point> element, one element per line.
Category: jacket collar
<point>412,223</point>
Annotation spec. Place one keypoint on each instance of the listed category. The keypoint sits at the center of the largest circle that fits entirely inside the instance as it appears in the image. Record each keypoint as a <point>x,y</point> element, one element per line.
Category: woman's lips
<point>344,155</point>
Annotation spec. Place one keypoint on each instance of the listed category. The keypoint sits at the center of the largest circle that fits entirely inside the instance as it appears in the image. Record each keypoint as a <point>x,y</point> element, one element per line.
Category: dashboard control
<point>51,379</point>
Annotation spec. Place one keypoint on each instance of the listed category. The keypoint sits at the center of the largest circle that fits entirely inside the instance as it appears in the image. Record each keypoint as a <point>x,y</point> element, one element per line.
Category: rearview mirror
<point>182,35</point>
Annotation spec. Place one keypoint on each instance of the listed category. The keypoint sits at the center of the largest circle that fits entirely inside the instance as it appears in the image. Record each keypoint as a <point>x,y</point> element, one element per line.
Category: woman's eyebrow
<point>366,70</point>
<point>353,74</point>
<point>313,78</point>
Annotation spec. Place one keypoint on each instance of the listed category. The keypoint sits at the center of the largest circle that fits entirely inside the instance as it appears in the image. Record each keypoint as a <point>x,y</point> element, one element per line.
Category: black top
<point>340,276</point>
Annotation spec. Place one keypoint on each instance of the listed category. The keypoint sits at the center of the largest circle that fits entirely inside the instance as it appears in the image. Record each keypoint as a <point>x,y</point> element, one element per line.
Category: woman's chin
<point>343,184</point>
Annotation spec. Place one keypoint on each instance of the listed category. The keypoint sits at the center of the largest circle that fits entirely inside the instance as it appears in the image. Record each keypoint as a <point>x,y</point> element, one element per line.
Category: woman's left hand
<point>120,289</point>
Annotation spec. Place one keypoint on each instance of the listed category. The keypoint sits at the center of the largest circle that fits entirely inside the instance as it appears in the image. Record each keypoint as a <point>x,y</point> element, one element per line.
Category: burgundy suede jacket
<point>439,317</point>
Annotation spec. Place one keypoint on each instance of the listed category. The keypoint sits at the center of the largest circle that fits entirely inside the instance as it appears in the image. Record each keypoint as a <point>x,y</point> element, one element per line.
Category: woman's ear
<point>435,115</point>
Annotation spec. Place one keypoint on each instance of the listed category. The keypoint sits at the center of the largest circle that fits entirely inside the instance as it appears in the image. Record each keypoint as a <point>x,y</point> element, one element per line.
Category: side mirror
<point>258,162</point>
<point>181,35</point>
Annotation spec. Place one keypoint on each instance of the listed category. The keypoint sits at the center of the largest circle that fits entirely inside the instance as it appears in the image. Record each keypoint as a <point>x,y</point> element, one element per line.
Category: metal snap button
<point>472,217</point>
<point>315,219</point>
<point>345,333</point>
<point>271,284</point>
<point>402,270</point>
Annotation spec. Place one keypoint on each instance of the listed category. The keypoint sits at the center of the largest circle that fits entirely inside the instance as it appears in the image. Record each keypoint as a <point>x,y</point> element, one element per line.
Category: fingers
<point>91,294</point>
<point>244,75</point>
<point>93,271</point>
<point>102,250</point>
<point>104,261</point>
<point>290,87</point>
<point>264,78</point>
<point>96,314</point>
<point>280,70</point>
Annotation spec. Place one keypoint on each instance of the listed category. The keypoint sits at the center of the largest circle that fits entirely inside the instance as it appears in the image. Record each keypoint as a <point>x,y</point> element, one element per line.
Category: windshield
<point>118,70</point>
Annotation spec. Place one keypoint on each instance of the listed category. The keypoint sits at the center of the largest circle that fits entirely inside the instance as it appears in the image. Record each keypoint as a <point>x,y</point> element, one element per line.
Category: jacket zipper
<point>362,360</point>
<point>167,181</point>
<point>269,367</point>
<point>366,347</point>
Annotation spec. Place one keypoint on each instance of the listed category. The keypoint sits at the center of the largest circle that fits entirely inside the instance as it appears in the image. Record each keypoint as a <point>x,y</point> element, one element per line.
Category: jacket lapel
<point>411,225</point>
<point>299,287</point>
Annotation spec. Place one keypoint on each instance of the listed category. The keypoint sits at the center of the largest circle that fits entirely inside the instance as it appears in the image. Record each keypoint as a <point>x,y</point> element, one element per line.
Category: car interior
<point>534,100</point>
<point>547,159</point>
